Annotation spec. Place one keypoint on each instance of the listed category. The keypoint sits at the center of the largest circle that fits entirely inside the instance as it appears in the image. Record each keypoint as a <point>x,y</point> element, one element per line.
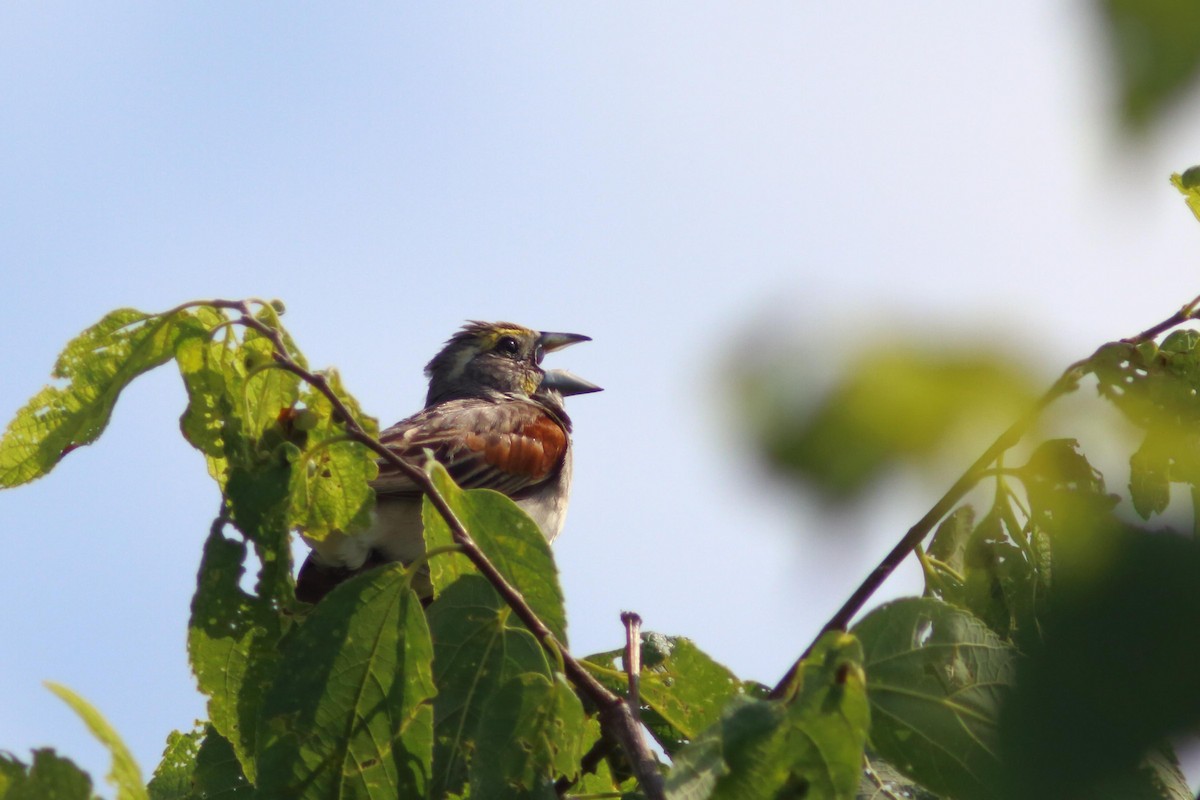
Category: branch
<point>633,658</point>
<point>976,472</point>
<point>614,714</point>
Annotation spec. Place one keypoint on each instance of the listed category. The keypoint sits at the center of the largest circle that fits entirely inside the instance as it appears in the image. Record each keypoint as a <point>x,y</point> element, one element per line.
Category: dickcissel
<point>494,418</point>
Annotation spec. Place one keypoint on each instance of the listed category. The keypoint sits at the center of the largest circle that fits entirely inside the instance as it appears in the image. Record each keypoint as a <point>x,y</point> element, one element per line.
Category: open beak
<point>567,384</point>
<point>551,341</point>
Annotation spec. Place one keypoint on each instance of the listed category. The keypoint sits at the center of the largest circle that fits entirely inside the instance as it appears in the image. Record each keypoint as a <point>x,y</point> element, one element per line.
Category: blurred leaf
<point>351,716</point>
<point>936,679</point>
<point>175,775</point>
<point>478,647</point>
<point>529,733</point>
<point>896,404</point>
<point>1149,485</point>
<point>810,747</point>
<point>1113,675</point>
<point>51,777</point>
<point>97,365</point>
<point>232,645</point>
<point>882,781</point>
<point>1155,387</point>
<point>125,775</point>
<point>1188,185</point>
<point>218,774</point>
<point>507,536</point>
<point>1156,47</point>
<point>1157,777</point>
<point>681,687</point>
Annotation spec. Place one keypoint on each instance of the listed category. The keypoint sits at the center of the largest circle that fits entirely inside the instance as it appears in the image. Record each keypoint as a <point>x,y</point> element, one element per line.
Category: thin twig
<point>976,472</point>
<point>633,659</point>
<point>614,715</point>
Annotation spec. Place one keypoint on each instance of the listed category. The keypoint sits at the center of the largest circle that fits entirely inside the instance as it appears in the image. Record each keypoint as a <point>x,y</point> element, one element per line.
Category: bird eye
<point>539,353</point>
<point>508,345</point>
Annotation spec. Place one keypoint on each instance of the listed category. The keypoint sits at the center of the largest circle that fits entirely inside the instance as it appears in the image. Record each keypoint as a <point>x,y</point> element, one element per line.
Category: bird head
<point>491,359</point>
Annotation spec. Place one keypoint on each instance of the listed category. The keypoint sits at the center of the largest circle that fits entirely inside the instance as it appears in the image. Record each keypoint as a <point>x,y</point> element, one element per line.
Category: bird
<point>494,419</point>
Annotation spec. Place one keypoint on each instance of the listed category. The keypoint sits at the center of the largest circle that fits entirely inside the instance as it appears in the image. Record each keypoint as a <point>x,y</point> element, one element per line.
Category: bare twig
<point>917,533</point>
<point>633,659</point>
<point>614,715</point>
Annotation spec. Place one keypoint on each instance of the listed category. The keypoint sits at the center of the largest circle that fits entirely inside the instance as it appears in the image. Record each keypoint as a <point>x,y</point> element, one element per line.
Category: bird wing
<point>507,445</point>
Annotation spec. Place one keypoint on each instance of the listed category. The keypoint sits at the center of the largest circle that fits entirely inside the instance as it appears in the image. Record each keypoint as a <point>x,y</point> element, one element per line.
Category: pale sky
<point>679,181</point>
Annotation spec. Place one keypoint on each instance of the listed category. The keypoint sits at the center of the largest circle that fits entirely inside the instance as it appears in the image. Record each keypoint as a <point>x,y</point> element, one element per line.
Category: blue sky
<point>679,181</point>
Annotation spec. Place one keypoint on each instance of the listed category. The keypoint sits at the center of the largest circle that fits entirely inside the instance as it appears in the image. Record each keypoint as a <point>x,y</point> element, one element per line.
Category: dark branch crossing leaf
<point>350,715</point>
<point>507,536</point>
<point>936,679</point>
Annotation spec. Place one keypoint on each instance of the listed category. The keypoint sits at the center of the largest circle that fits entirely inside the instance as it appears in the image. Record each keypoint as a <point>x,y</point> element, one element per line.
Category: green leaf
<point>936,679</point>
<point>507,536</point>
<point>809,747</point>
<point>949,543</point>
<point>51,777</point>
<point>882,781</point>
<point>1149,486</point>
<point>253,469</point>
<point>1106,682</point>
<point>682,687</point>
<point>1188,185</point>
<point>529,734</point>
<point>232,645</point>
<point>1156,47</point>
<point>97,365</point>
<point>1006,582</point>
<point>351,715</point>
<point>1156,388</point>
<point>125,775</point>
<point>479,646</point>
<point>218,774</point>
<point>897,404</point>
<point>330,489</point>
<point>175,775</point>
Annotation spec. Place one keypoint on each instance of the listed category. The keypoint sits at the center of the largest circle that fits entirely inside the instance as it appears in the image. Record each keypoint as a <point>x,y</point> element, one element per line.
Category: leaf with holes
<point>97,366</point>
